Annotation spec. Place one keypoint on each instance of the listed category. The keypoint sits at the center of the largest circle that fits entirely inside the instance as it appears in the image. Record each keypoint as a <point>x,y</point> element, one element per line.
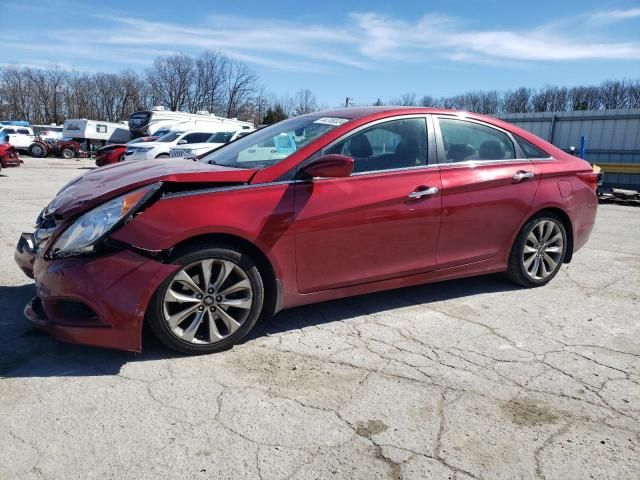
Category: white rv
<point>93,132</point>
<point>149,122</point>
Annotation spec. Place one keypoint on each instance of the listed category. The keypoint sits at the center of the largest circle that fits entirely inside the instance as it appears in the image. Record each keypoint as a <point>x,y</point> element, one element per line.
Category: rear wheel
<point>163,155</point>
<point>211,303</point>
<point>37,150</point>
<point>538,252</point>
<point>68,154</point>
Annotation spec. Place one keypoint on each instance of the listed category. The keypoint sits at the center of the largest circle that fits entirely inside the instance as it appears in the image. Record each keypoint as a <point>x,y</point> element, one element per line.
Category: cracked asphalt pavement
<point>465,379</point>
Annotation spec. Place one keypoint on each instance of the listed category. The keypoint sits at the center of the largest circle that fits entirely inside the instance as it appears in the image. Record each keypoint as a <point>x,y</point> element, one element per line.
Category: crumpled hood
<point>102,184</point>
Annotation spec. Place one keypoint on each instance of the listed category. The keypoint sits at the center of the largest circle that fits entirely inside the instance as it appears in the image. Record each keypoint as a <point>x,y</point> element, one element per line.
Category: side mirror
<point>333,165</point>
<point>182,142</point>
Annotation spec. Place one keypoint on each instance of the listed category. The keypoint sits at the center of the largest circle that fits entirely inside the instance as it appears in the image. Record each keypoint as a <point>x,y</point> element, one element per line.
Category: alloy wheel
<point>207,301</point>
<point>543,249</point>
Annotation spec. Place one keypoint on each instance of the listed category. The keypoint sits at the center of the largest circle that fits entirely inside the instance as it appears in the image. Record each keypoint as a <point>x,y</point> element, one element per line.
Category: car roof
<point>359,112</point>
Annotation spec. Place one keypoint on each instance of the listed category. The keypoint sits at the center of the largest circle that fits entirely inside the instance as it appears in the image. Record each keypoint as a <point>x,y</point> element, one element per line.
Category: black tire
<point>121,158</point>
<point>163,155</point>
<point>187,258</point>
<point>517,272</point>
<point>37,150</point>
<point>68,153</point>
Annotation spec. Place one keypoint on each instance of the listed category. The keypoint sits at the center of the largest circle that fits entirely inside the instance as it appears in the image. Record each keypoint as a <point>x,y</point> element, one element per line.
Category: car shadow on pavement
<point>26,351</point>
<point>378,303</point>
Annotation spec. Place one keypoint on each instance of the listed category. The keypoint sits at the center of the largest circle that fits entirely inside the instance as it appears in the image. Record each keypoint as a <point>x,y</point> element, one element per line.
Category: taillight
<point>592,179</point>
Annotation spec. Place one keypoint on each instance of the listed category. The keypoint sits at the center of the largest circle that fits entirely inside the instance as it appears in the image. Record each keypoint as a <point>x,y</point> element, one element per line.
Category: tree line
<point>610,94</point>
<point>218,84</point>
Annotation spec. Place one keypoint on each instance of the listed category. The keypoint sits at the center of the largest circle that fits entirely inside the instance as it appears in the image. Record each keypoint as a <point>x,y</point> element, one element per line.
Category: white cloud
<point>386,37</point>
<point>612,16</point>
<point>365,40</point>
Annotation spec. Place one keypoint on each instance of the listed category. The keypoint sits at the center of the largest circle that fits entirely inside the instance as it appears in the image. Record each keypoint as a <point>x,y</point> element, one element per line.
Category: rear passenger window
<point>24,131</point>
<point>529,149</point>
<point>465,141</point>
<point>386,146</point>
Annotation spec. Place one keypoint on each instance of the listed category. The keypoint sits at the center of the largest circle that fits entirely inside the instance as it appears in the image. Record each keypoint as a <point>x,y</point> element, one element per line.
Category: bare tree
<point>305,102</point>
<point>614,94</point>
<point>406,100</point>
<point>633,93</point>
<point>208,85</point>
<point>240,83</point>
<point>489,102</point>
<point>171,80</point>
<point>428,101</point>
<point>549,99</point>
<point>584,98</point>
<point>516,101</point>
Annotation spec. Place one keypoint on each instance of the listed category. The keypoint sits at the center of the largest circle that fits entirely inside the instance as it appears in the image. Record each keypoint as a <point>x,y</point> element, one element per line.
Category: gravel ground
<point>457,380</point>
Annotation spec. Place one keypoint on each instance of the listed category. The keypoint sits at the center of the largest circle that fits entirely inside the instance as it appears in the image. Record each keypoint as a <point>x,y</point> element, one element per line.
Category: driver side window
<point>386,146</point>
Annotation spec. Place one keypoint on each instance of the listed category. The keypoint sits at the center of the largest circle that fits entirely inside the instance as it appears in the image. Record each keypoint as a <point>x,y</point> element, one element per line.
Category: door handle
<point>521,175</point>
<point>424,192</point>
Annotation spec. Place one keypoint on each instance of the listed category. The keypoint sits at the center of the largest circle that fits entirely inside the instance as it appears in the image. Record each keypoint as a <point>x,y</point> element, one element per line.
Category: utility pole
<point>346,102</point>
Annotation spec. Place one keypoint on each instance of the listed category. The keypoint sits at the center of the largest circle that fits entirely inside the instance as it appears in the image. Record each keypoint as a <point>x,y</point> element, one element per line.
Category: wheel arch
<point>566,221</point>
<point>272,287</point>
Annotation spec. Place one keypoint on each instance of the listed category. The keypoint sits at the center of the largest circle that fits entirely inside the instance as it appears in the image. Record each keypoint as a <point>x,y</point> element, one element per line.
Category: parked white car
<point>161,147</point>
<point>214,141</point>
<point>19,137</point>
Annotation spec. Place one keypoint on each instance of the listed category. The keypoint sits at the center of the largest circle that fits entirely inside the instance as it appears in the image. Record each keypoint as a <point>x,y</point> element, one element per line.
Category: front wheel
<point>68,154</point>
<point>538,252</point>
<point>37,150</point>
<point>121,158</point>
<point>210,303</point>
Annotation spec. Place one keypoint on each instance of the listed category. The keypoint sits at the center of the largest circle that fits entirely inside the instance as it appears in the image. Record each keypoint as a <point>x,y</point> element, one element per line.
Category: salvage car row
<point>147,135</point>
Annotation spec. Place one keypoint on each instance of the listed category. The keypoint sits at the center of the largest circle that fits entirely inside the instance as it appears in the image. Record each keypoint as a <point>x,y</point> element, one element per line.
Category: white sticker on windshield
<point>331,121</point>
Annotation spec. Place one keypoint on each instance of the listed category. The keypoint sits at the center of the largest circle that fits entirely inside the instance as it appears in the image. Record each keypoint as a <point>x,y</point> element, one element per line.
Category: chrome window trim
<point>401,169</point>
<point>479,163</point>
<point>204,191</point>
<point>428,132</point>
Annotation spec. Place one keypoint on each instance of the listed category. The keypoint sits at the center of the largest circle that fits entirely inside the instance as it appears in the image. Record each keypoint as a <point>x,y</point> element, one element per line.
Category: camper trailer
<point>93,133</point>
<point>159,119</point>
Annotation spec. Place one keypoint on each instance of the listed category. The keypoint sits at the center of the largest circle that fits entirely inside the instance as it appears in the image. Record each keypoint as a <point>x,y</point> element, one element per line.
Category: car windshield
<point>272,144</point>
<point>169,137</point>
<point>220,137</point>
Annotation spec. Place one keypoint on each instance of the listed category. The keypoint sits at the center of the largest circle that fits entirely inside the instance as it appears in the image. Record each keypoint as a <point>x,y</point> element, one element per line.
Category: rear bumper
<point>104,159</point>
<point>140,156</point>
<point>98,301</point>
<point>10,160</point>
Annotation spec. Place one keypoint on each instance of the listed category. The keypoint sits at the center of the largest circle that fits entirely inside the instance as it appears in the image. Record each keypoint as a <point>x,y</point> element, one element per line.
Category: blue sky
<point>361,49</point>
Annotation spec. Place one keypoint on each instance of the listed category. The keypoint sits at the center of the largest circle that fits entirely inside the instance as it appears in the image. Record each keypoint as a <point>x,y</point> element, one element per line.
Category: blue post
<point>583,146</point>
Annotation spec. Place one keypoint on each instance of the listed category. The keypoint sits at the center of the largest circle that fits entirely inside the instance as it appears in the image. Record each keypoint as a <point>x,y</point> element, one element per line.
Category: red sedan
<point>8,156</point>
<point>360,200</point>
<point>114,153</point>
